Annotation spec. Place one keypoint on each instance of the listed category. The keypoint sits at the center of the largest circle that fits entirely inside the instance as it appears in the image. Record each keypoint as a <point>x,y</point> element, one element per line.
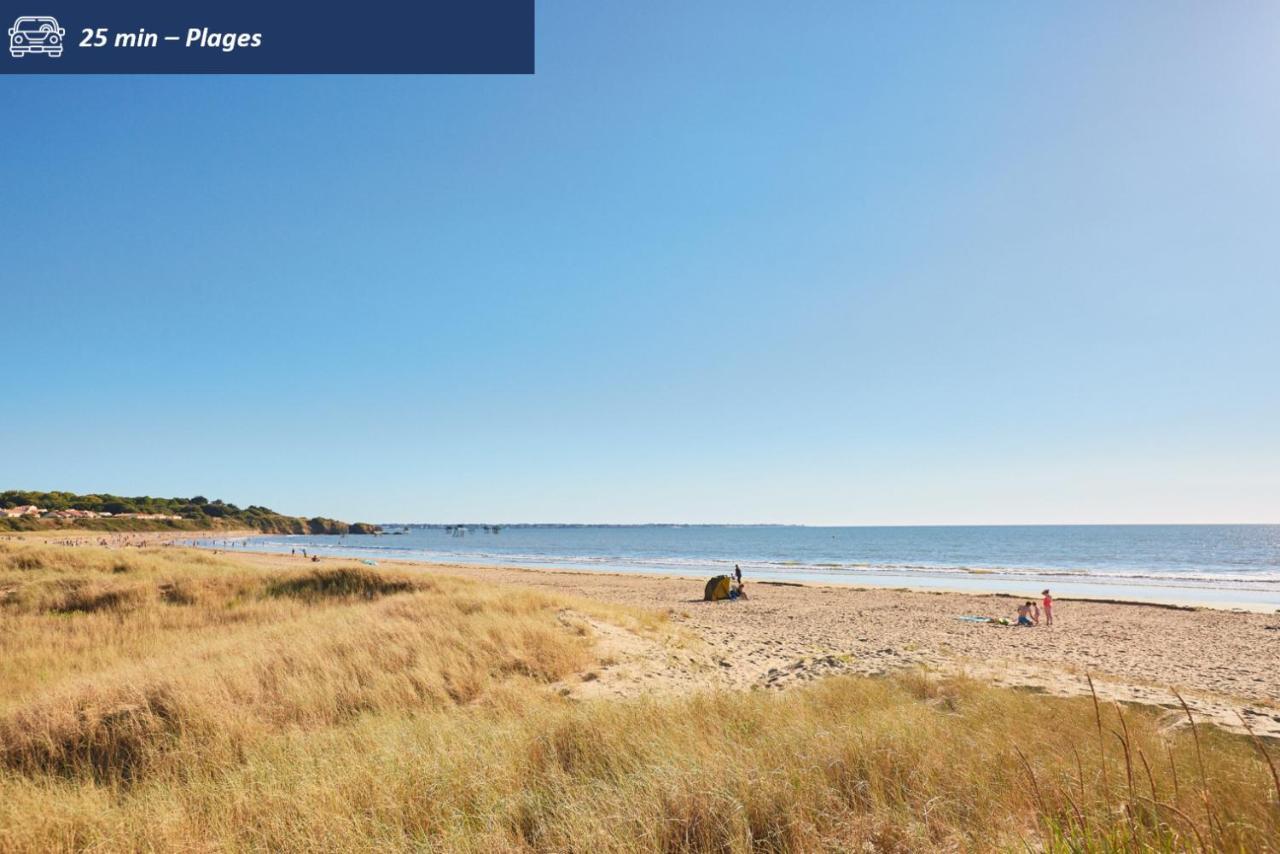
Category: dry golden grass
<point>174,700</point>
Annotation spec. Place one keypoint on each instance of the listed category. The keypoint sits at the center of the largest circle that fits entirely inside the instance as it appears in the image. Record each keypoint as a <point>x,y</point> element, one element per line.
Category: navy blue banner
<point>265,37</point>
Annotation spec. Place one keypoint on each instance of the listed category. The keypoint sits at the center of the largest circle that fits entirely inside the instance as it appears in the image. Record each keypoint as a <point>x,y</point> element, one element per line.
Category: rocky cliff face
<point>315,525</point>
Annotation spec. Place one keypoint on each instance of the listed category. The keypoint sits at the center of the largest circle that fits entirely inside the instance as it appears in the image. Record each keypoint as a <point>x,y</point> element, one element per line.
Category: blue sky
<point>832,262</point>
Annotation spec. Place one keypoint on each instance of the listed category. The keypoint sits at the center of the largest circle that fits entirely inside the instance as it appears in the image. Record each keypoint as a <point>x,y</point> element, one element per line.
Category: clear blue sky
<point>827,262</point>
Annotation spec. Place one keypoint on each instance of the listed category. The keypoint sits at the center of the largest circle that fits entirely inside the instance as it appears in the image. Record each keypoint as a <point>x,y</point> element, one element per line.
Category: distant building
<point>33,511</point>
<point>24,510</point>
<point>72,514</point>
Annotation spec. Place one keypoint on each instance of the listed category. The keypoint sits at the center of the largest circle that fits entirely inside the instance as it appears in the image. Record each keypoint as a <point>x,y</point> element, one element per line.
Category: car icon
<point>36,34</point>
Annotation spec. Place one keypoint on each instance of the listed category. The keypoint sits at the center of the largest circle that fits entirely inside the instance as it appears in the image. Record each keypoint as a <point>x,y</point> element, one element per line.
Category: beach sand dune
<point>1222,662</point>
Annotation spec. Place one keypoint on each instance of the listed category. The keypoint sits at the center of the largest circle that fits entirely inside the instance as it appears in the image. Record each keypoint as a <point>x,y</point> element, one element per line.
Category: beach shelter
<point>717,588</point>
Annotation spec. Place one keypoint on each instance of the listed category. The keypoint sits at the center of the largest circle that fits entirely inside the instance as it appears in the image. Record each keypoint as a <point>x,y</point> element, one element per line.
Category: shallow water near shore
<point>1218,565</point>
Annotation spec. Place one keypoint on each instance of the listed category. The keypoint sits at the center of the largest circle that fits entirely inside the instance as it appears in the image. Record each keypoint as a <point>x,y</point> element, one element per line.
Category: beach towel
<point>988,621</point>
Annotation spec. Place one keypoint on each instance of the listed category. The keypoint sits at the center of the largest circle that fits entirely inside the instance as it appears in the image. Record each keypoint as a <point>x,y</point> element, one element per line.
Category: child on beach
<point>1048,608</point>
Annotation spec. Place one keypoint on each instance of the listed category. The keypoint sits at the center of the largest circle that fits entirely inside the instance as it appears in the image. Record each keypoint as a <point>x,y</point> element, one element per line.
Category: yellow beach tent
<point>717,588</point>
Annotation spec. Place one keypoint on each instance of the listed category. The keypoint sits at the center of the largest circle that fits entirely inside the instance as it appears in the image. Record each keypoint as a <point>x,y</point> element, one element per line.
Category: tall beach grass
<point>175,700</point>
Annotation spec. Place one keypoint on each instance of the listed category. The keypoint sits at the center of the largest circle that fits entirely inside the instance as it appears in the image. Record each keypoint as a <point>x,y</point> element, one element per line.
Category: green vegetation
<point>197,513</point>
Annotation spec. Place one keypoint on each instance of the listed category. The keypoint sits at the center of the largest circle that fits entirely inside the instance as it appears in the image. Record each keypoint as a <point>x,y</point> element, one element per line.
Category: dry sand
<point>1224,663</point>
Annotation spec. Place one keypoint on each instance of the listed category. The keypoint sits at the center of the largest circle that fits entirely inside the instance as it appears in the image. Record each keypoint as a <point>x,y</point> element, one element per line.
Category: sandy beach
<point>1222,662</point>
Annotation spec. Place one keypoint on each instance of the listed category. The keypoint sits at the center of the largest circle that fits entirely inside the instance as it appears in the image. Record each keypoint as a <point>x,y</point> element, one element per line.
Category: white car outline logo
<point>36,34</point>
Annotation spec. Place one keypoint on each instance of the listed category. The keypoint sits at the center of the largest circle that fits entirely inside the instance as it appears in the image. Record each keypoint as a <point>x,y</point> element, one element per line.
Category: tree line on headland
<point>24,510</point>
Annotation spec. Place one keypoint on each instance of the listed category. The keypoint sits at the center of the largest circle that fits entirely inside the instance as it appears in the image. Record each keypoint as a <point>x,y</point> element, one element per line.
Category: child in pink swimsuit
<point>1048,608</point>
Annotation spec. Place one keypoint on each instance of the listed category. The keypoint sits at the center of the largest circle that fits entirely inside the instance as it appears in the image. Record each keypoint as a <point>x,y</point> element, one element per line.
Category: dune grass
<point>175,700</point>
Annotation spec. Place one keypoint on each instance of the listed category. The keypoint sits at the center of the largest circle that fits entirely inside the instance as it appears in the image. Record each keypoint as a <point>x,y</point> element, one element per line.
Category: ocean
<point>1181,564</point>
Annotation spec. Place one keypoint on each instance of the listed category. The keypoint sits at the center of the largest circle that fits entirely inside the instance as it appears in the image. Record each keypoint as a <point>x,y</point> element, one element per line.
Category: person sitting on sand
<point>1024,614</point>
<point>1048,608</point>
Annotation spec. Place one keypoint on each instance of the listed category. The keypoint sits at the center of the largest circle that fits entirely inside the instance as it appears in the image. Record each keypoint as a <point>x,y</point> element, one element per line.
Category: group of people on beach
<point>115,541</point>
<point>136,540</point>
<point>1029,613</point>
